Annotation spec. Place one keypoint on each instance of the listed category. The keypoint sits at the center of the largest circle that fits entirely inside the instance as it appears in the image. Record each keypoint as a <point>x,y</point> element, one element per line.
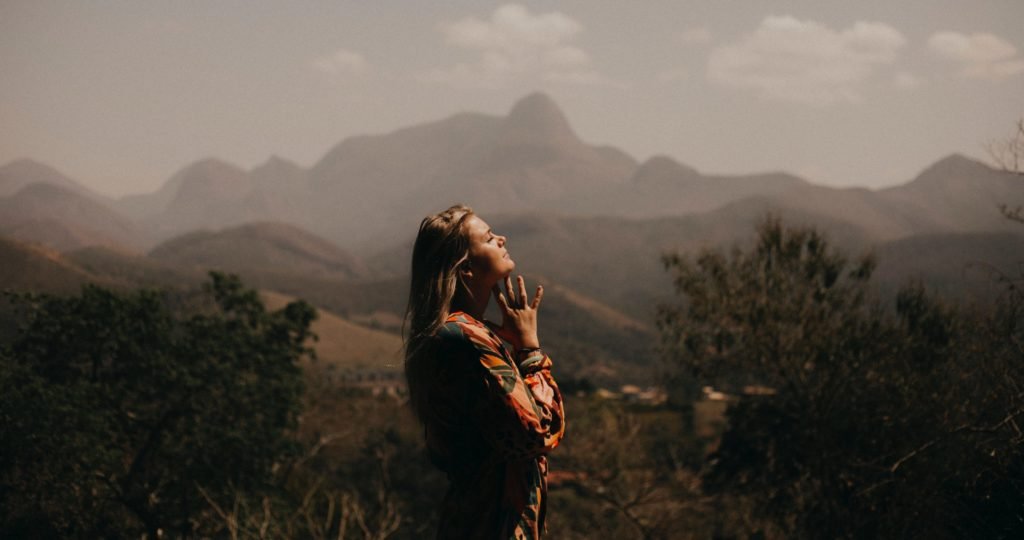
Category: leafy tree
<point>852,421</point>
<point>117,412</point>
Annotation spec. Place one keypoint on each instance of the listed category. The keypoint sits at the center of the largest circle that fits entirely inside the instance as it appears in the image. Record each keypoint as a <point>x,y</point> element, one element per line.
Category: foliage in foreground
<point>876,424</point>
<point>119,417</point>
<point>122,416</point>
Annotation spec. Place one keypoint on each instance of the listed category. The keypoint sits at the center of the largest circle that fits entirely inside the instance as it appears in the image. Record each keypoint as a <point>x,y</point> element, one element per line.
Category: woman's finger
<point>537,297</point>
<point>522,291</point>
<point>508,291</point>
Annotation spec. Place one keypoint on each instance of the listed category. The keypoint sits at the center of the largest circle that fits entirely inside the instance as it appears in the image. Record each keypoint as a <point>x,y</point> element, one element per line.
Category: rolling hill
<point>266,247</point>
<point>344,347</point>
<point>589,222</point>
<point>31,267</point>
<point>958,266</point>
<point>368,193</point>
<point>65,219</point>
<point>18,174</point>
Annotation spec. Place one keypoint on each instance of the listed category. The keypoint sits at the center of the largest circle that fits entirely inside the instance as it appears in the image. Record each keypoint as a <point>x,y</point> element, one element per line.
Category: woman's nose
<point>502,239</point>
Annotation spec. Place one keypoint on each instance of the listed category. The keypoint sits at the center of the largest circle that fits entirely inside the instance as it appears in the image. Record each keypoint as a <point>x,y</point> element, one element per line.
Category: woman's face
<point>488,260</point>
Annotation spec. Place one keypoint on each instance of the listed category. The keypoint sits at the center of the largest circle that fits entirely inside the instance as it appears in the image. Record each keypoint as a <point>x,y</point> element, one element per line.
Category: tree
<point>1008,154</point>
<point>117,412</point>
<point>867,422</point>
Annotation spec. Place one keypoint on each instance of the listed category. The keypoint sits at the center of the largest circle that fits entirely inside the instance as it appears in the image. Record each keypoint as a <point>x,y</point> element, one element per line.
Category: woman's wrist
<point>529,343</point>
<point>528,358</point>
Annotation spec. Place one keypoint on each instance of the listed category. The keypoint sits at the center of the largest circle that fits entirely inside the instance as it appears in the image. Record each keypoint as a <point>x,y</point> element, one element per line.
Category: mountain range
<point>369,191</point>
<point>590,221</point>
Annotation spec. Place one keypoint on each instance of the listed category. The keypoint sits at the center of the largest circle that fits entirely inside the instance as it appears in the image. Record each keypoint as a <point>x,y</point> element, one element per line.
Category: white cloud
<point>696,35</point>
<point>340,62</point>
<point>512,27</point>
<point>983,56</point>
<point>514,42</point>
<point>805,61</point>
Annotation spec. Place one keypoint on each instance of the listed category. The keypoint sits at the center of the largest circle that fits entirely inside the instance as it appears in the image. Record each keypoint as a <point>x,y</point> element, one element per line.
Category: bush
<point>117,412</point>
<point>867,422</point>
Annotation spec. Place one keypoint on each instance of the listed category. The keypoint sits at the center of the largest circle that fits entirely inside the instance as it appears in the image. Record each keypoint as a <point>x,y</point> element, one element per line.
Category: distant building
<point>757,390</point>
<point>648,396</point>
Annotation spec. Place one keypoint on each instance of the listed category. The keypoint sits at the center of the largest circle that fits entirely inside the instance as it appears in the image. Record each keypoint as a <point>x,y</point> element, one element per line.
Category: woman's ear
<point>465,270</point>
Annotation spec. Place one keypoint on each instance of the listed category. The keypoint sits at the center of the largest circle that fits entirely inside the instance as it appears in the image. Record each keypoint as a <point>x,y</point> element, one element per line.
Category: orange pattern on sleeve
<point>513,416</point>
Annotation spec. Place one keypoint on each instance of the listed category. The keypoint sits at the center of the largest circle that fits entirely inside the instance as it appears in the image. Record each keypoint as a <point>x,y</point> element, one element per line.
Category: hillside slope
<point>265,246</point>
<point>65,219</point>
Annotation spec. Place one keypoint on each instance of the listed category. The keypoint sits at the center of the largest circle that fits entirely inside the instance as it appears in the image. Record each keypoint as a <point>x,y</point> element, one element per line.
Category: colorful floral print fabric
<point>492,422</point>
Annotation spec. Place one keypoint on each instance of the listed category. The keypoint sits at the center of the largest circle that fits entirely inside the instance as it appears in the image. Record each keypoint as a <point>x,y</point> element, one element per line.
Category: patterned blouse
<point>490,427</point>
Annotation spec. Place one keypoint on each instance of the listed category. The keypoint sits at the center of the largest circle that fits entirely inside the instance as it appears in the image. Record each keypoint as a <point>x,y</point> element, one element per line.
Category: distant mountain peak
<point>26,163</point>
<point>958,160</point>
<point>209,165</point>
<point>47,190</point>
<point>263,245</point>
<point>209,171</point>
<point>662,169</point>
<point>276,169</point>
<point>21,172</point>
<point>207,180</point>
<point>535,103</point>
<point>537,118</point>
<point>277,161</point>
<point>954,167</point>
<point>32,168</point>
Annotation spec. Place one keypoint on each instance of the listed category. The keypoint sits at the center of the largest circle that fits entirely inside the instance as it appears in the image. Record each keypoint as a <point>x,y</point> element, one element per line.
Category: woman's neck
<point>475,306</point>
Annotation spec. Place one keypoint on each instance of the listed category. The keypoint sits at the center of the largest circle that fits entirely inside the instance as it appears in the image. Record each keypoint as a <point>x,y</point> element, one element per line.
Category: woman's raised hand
<point>518,315</point>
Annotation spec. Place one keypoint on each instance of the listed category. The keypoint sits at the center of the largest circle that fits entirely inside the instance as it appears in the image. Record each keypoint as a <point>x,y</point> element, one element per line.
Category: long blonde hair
<point>441,246</point>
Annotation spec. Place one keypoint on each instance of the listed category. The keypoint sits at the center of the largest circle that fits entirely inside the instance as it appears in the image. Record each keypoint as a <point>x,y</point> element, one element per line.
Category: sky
<point>119,95</point>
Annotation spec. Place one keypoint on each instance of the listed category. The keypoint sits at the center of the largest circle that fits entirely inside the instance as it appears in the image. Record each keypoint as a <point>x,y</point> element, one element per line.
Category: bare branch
<point>909,456</point>
<point>1009,419</point>
<point>1008,154</point>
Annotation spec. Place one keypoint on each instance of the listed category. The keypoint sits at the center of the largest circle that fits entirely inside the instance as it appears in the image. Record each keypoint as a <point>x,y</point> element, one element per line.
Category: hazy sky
<point>120,95</point>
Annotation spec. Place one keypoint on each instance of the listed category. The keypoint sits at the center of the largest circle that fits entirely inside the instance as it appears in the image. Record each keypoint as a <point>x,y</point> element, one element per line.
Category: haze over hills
<point>28,267</point>
<point>954,265</point>
<point>528,160</point>
<point>369,192</point>
<point>270,247</point>
<point>957,193</point>
<point>591,220</point>
<point>22,172</point>
<point>346,347</point>
<point>592,338</point>
<point>618,260</point>
<point>62,218</point>
<point>662,186</point>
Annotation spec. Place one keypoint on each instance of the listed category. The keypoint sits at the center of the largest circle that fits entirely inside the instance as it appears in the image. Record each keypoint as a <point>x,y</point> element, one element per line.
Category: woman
<point>490,415</point>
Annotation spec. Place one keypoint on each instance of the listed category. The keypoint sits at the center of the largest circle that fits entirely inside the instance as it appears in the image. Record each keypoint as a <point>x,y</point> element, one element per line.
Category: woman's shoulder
<point>462,329</point>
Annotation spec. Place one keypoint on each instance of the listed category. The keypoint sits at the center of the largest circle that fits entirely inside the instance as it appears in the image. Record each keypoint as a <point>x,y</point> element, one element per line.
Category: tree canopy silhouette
<point>857,421</point>
<point>118,409</point>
